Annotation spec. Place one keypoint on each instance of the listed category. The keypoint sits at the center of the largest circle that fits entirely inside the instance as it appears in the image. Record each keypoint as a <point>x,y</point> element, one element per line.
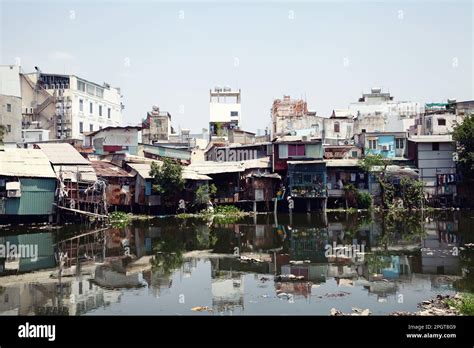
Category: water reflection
<point>262,265</point>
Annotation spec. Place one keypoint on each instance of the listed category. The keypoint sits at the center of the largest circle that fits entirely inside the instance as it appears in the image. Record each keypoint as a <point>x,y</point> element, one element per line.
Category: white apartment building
<point>224,111</point>
<point>398,115</point>
<point>69,106</point>
<point>10,104</point>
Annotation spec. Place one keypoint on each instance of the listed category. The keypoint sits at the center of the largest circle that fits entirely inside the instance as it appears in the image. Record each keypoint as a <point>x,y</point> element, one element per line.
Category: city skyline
<point>172,54</point>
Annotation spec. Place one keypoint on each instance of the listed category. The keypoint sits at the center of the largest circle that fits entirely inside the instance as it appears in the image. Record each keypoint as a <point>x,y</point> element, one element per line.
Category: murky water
<point>300,264</point>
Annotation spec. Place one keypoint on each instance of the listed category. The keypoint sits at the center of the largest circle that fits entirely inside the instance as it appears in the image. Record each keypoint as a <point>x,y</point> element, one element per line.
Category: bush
<point>364,200</point>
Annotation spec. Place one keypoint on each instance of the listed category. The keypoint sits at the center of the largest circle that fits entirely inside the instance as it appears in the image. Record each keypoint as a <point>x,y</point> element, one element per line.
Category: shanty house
<point>27,183</point>
<point>120,187</point>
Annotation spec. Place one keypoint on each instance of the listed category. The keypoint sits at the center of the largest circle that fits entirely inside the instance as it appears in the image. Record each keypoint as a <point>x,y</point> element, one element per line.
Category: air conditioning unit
<point>13,189</point>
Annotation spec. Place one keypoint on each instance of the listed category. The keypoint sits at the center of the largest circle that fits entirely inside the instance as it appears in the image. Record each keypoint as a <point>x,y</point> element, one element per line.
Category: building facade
<point>433,156</point>
<point>225,111</point>
<point>156,126</point>
<point>10,104</point>
<point>68,105</point>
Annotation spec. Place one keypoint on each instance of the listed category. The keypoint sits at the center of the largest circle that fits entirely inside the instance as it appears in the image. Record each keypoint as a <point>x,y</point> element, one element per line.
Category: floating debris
<point>288,278</point>
<point>202,308</point>
<point>355,312</point>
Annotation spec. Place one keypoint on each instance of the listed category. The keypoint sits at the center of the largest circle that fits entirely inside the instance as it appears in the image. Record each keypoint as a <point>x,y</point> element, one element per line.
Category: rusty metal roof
<point>107,169</point>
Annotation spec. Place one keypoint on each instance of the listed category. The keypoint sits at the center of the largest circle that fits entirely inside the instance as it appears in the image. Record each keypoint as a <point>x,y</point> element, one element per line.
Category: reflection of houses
<point>107,277</point>
<point>27,183</point>
<point>69,297</point>
<point>227,285</point>
<point>34,251</point>
<point>440,248</point>
<point>314,272</point>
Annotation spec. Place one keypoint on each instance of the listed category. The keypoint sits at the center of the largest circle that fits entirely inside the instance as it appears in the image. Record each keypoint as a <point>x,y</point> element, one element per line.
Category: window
<point>441,122</point>
<point>100,110</point>
<point>99,92</point>
<point>435,146</point>
<point>9,107</point>
<point>354,154</point>
<point>9,128</point>
<point>81,127</point>
<point>234,113</point>
<point>372,144</point>
<point>336,127</point>
<point>90,89</point>
<point>108,112</point>
<point>399,143</point>
<point>81,86</point>
<point>91,127</point>
<point>81,105</point>
<point>296,150</point>
<point>91,108</point>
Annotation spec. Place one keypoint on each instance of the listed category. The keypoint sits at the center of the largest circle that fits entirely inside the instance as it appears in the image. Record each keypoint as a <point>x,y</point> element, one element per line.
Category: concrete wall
<point>346,130</point>
<point>431,163</point>
<point>10,118</point>
<point>286,124</point>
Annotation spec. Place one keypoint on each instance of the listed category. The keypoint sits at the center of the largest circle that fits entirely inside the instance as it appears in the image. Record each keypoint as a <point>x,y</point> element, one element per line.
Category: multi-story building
<point>290,115</point>
<point>398,115</point>
<point>338,128</point>
<point>157,126</point>
<point>441,118</point>
<point>224,111</point>
<point>10,104</point>
<point>68,105</point>
<point>433,156</point>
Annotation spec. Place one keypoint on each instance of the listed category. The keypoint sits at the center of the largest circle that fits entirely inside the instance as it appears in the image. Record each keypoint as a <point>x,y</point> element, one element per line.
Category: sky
<point>170,54</point>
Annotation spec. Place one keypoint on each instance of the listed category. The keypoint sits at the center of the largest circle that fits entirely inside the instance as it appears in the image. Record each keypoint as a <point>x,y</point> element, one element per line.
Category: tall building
<point>10,104</point>
<point>68,105</point>
<point>224,111</point>
<point>156,126</point>
<point>398,116</point>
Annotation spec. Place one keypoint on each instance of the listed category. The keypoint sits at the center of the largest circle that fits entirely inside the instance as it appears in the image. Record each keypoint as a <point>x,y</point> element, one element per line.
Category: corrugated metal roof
<point>31,163</point>
<point>306,162</point>
<point>62,153</point>
<point>213,167</point>
<point>107,169</point>
<point>143,169</point>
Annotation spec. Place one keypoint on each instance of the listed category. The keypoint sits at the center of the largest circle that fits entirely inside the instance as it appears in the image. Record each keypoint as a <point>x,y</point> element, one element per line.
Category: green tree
<point>167,180</point>
<point>412,193</point>
<point>376,165</point>
<point>463,134</point>
<point>204,193</point>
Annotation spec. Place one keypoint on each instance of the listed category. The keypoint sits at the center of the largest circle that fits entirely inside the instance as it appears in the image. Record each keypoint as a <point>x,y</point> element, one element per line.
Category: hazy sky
<point>171,53</point>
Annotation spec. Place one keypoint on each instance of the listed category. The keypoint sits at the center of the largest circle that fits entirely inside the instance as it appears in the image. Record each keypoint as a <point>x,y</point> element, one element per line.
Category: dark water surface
<point>234,267</point>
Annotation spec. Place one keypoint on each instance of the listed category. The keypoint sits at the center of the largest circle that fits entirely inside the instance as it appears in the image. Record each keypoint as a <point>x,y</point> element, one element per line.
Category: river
<point>302,264</point>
